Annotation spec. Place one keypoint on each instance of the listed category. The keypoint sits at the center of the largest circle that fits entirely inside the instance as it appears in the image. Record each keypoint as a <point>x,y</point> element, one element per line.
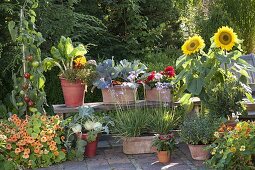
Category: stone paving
<point>112,158</point>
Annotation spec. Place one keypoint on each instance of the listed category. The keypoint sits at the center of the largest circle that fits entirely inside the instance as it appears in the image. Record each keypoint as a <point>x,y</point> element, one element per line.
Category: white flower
<point>76,128</point>
<point>158,76</point>
<point>98,126</point>
<point>3,137</point>
<point>89,125</point>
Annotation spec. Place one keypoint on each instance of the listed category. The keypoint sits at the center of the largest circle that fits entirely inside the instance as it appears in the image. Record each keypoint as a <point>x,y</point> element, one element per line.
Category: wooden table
<point>100,106</point>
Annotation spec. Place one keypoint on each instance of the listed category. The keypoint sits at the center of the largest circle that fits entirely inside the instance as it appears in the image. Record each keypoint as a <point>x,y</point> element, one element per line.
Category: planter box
<point>138,145</point>
<point>158,95</point>
<point>119,95</point>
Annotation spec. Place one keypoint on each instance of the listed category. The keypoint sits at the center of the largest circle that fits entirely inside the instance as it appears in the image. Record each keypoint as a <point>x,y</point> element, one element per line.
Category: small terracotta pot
<point>119,95</point>
<point>198,152</point>
<point>91,147</point>
<point>74,93</point>
<point>164,156</point>
<point>158,95</point>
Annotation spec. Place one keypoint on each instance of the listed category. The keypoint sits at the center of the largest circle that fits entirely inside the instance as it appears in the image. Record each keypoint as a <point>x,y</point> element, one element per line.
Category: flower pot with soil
<point>198,132</point>
<point>158,85</point>
<point>87,126</point>
<point>75,71</point>
<point>164,145</point>
<point>118,81</point>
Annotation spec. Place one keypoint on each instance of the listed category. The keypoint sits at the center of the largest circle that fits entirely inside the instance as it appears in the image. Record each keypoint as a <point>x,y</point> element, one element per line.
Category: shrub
<point>33,142</point>
<point>225,98</point>
<point>234,149</point>
<point>198,129</point>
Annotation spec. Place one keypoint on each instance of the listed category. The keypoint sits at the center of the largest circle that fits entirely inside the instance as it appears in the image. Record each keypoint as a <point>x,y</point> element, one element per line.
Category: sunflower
<point>225,38</point>
<point>193,45</point>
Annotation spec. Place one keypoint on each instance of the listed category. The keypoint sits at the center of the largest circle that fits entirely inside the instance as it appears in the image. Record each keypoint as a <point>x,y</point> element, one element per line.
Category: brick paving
<point>112,158</point>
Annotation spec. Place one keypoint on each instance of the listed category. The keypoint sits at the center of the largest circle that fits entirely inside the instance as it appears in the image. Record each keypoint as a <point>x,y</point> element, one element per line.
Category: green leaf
<point>48,63</point>
<point>80,50</point>
<point>185,99</point>
<point>195,86</point>
<point>249,97</point>
<point>244,73</point>
<point>180,61</point>
<point>13,30</point>
<point>56,54</point>
<point>32,19</point>
<point>41,82</point>
<point>68,48</point>
<point>180,76</point>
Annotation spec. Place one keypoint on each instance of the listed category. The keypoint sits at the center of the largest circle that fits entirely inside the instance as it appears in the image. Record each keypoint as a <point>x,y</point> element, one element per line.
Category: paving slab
<point>112,158</point>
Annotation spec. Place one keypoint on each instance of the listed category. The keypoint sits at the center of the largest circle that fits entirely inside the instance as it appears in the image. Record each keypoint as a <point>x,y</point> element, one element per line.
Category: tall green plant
<point>28,95</point>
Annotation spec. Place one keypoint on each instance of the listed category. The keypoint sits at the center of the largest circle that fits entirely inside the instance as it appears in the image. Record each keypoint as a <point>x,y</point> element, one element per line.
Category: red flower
<point>169,71</point>
<point>151,76</point>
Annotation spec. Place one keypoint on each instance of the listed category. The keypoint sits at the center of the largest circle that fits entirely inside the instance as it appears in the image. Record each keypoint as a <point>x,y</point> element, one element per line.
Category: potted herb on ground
<point>158,85</point>
<point>76,73</point>
<point>163,121</point>
<point>198,132</point>
<point>87,126</point>
<point>118,81</point>
<point>164,145</point>
<point>132,126</point>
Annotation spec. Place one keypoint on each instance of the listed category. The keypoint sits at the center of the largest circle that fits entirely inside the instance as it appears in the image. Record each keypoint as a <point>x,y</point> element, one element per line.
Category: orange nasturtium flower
<point>9,146</point>
<point>25,156</point>
<point>44,139</point>
<point>17,150</point>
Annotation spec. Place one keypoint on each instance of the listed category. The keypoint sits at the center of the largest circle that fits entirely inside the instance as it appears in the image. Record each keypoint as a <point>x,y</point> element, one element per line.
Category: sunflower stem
<point>226,66</point>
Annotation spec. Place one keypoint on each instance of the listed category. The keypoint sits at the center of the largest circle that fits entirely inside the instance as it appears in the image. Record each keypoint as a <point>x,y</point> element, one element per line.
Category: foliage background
<point>148,30</point>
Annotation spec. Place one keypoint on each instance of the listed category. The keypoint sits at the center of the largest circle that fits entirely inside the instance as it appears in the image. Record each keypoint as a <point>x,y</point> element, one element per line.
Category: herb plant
<point>199,129</point>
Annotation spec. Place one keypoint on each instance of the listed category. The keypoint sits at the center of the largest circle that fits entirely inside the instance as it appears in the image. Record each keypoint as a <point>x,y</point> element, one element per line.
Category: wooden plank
<point>100,106</point>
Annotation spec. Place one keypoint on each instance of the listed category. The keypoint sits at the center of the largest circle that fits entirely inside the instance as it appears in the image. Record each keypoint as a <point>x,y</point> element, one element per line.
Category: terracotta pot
<point>138,145</point>
<point>119,95</point>
<point>91,147</point>
<point>158,95</point>
<point>164,156</point>
<point>74,93</point>
<point>198,152</point>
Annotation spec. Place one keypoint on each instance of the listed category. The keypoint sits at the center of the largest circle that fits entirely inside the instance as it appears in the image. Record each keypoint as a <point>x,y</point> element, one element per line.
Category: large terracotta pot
<point>164,156</point>
<point>91,147</point>
<point>74,93</point>
<point>158,95</point>
<point>138,145</point>
<point>119,95</point>
<point>198,152</point>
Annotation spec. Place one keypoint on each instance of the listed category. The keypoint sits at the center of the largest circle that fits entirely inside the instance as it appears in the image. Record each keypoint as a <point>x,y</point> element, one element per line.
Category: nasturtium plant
<point>28,95</point>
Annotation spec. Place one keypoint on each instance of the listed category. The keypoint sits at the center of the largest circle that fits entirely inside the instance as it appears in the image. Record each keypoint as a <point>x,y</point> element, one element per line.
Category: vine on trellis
<point>28,95</point>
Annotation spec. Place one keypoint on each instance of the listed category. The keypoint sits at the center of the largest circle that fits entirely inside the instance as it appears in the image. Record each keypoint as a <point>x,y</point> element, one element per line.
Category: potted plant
<point>76,73</point>
<point>158,85</point>
<point>198,132</point>
<point>118,81</point>
<point>87,126</point>
<point>132,125</point>
<point>164,145</point>
<point>163,121</point>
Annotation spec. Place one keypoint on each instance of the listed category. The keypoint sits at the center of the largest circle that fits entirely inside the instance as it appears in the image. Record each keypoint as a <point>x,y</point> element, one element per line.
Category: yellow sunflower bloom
<point>80,61</point>
<point>225,38</point>
<point>193,44</point>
